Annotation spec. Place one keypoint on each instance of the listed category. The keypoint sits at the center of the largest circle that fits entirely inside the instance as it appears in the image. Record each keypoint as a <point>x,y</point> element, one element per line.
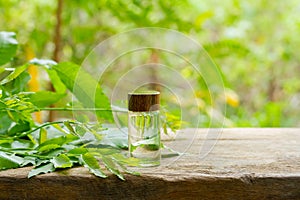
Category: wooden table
<point>216,164</point>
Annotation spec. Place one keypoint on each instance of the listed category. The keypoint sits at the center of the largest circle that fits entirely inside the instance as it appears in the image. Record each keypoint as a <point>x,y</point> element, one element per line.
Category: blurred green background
<point>254,43</point>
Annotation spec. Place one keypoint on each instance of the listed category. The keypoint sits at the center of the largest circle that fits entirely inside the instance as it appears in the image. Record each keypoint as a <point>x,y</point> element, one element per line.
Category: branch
<point>57,45</point>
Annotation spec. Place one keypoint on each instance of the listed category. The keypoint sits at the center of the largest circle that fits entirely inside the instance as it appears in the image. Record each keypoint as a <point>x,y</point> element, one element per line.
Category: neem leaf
<point>48,147</point>
<point>80,130</point>
<point>8,46</point>
<point>59,128</point>
<point>2,105</point>
<point>59,141</point>
<point>68,125</point>
<point>19,128</point>
<point>18,84</point>
<point>42,135</point>
<point>41,169</point>
<point>7,164</point>
<point>40,162</point>
<point>61,161</point>
<point>150,141</point>
<point>78,151</point>
<point>104,150</point>
<point>121,159</point>
<point>110,165</point>
<point>28,160</point>
<point>55,143</point>
<point>58,85</point>
<point>125,169</point>
<point>116,138</point>
<point>9,161</point>
<point>53,152</point>
<point>86,89</point>
<point>13,75</point>
<point>45,98</point>
<point>5,122</point>
<point>52,144</point>
<point>90,162</point>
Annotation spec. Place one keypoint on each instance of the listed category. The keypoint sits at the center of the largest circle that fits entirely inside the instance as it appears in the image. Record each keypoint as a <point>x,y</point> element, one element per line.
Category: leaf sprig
<point>53,145</point>
<point>66,146</point>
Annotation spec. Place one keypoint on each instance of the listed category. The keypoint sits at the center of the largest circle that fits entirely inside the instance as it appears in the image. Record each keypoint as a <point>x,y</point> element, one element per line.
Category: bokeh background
<point>255,44</point>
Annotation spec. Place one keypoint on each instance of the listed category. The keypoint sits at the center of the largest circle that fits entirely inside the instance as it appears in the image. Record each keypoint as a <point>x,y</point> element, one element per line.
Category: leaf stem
<point>41,126</point>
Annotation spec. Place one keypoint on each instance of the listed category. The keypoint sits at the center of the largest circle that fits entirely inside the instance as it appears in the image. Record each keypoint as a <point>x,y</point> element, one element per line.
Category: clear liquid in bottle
<point>144,128</point>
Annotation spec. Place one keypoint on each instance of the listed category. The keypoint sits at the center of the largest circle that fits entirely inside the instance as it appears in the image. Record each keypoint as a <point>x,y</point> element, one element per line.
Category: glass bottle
<point>144,127</point>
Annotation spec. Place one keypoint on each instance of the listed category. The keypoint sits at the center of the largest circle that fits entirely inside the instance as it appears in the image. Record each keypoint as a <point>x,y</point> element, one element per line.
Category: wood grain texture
<point>243,164</point>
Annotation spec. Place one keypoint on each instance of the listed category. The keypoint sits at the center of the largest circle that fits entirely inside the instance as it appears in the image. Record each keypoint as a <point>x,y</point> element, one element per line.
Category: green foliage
<point>84,87</point>
<point>45,98</point>
<point>15,109</point>
<point>53,145</point>
<point>8,46</point>
<point>257,54</point>
<point>92,164</point>
<point>15,74</point>
<point>41,169</point>
<point>9,161</point>
<point>222,47</point>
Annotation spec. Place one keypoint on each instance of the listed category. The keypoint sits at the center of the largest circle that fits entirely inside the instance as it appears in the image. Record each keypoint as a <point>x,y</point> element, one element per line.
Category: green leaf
<point>78,151</point>
<point>120,159</point>
<point>51,144</point>
<point>45,98</point>
<point>130,161</point>
<point>110,165</point>
<point>116,138</point>
<point>151,141</point>
<point>69,127</point>
<point>41,169</point>
<point>59,141</point>
<point>48,147</point>
<point>90,162</point>
<point>56,143</point>
<point>104,150</point>
<point>13,75</point>
<point>61,161</point>
<point>59,128</point>
<point>54,152</point>
<point>40,162</point>
<point>86,89</point>
<point>18,84</point>
<point>28,160</point>
<point>42,135</point>
<point>19,128</point>
<point>80,130</point>
<point>9,161</point>
<point>5,122</point>
<point>8,46</point>
<point>58,85</point>
<point>2,69</point>
<point>2,105</point>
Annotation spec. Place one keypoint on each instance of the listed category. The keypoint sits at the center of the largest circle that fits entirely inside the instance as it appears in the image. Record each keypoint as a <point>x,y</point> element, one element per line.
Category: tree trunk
<point>57,47</point>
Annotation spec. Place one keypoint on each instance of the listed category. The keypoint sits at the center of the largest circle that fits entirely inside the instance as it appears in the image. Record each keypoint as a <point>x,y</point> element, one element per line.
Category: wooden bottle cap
<point>143,101</point>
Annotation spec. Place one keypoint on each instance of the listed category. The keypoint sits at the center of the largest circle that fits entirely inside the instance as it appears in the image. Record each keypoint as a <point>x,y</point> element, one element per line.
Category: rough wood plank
<point>244,164</point>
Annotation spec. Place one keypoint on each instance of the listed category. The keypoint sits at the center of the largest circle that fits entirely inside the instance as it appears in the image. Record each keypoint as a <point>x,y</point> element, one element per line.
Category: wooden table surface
<point>246,163</point>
